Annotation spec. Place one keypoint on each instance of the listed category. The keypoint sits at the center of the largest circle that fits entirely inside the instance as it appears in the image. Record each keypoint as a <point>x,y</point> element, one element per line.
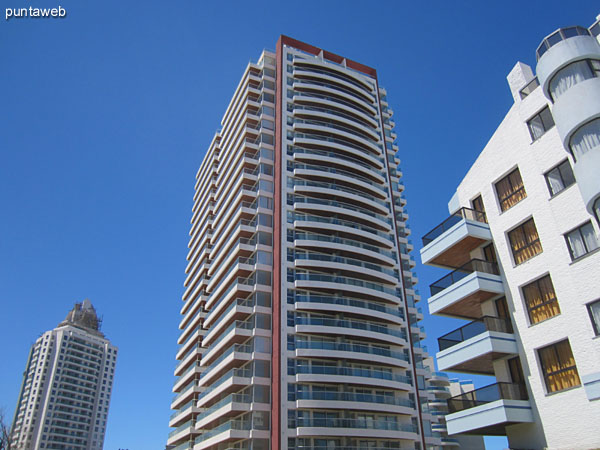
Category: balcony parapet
<point>449,244</point>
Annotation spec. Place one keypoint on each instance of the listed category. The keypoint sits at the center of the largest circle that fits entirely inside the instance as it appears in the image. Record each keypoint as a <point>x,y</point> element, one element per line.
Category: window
<point>489,253</point>
<point>540,300</point>
<point>477,205</point>
<point>570,75</point>
<point>586,138</point>
<point>560,178</point>
<point>558,366</point>
<point>510,190</point>
<point>582,241</point>
<point>524,242</point>
<point>594,310</point>
<point>597,209</point>
<point>540,123</point>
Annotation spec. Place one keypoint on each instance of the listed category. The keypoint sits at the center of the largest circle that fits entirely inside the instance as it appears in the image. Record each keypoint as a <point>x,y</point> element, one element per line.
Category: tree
<point>5,438</point>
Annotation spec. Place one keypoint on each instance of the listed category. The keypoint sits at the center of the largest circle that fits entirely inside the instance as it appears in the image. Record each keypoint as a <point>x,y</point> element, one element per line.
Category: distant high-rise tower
<point>299,324</point>
<point>64,398</point>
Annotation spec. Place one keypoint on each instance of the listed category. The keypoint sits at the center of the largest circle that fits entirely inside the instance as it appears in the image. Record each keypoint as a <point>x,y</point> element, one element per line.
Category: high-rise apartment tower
<point>67,383</point>
<point>523,252</point>
<point>299,326</point>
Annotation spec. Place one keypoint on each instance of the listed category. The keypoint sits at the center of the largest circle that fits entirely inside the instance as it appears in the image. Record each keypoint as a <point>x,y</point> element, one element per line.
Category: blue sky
<point>105,117</point>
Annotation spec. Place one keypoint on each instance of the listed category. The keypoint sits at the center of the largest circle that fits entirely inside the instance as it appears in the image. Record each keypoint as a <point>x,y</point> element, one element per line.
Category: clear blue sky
<point>106,115</point>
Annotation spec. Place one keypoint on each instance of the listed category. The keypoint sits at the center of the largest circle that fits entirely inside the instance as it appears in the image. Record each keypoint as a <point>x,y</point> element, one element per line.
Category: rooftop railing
<point>560,35</point>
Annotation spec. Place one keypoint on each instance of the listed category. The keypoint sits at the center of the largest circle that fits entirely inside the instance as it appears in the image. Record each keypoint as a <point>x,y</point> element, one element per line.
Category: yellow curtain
<point>559,367</point>
<point>525,242</point>
<point>541,300</point>
<point>510,190</point>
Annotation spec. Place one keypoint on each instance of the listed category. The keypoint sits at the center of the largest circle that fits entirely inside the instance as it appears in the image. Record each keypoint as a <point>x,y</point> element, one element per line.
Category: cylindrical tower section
<point>569,72</point>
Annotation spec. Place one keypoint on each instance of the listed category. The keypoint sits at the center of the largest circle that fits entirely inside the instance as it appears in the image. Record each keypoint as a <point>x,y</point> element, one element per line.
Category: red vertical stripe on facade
<point>276,302</point>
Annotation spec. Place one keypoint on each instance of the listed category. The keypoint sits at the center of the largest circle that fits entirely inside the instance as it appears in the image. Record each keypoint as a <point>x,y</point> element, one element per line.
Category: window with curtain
<point>560,178</point>
<point>586,138</point>
<point>524,242</point>
<point>594,310</point>
<point>582,241</point>
<point>569,76</point>
<point>510,190</point>
<point>540,123</point>
<point>540,300</point>
<point>477,205</point>
<point>558,366</point>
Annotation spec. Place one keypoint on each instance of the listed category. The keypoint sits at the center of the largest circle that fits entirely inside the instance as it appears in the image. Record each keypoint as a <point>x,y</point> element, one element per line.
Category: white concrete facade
<point>535,408</point>
<point>67,385</point>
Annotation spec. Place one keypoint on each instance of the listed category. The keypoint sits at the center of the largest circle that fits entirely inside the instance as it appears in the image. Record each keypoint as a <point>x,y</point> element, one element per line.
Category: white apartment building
<point>67,384</point>
<point>523,250</point>
<point>299,324</point>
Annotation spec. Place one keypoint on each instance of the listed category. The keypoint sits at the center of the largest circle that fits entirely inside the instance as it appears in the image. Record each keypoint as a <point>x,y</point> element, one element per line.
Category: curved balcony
<point>338,283</point>
<point>474,347</point>
<point>344,120</point>
<point>340,207</point>
<point>313,141</point>
<point>349,305</point>
<point>450,243</point>
<point>375,428</point>
<point>352,375</point>
<point>364,268</point>
<point>303,239</point>
<point>350,351</point>
<point>488,410</point>
<point>368,330</point>
<point>335,94</point>
<point>353,401</point>
<point>339,133</point>
<point>340,177</point>
<point>332,222</point>
<point>461,292</point>
<point>332,159</point>
<point>351,87</point>
<point>329,69</point>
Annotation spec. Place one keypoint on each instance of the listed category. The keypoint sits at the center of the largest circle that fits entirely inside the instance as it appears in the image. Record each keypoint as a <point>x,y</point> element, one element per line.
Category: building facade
<point>299,324</point>
<point>67,384</point>
<point>522,248</point>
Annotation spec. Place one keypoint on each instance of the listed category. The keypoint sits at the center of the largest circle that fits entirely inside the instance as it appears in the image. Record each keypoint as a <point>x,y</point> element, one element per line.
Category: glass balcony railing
<point>188,424</point>
<point>354,324</point>
<point>474,328</point>
<point>343,260</point>
<point>231,398</point>
<point>241,348</point>
<point>346,173</point>
<point>338,113</point>
<point>349,347</point>
<point>337,240</point>
<point>475,265</point>
<point>487,394</point>
<point>244,372</point>
<point>353,397</point>
<point>345,301</point>
<point>344,205</point>
<point>348,371</point>
<point>182,409</point>
<point>367,423</point>
<point>336,155</point>
<point>345,280</point>
<point>463,213</point>
<point>341,188</point>
<point>329,124</point>
<point>334,220</point>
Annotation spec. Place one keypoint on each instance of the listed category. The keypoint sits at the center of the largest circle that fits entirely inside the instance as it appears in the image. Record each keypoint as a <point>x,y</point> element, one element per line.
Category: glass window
<point>524,242</point>
<point>582,241</point>
<point>585,139</point>
<point>510,190</point>
<point>569,76</point>
<point>540,123</point>
<point>597,209</point>
<point>540,300</point>
<point>558,366</point>
<point>560,178</point>
<point>594,310</point>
